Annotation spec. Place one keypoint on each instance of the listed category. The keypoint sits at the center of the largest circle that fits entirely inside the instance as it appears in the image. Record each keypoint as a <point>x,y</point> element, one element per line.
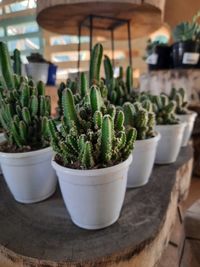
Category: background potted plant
<point>183,113</point>
<point>186,49</point>
<point>37,68</point>
<point>26,156</point>
<point>93,153</point>
<point>141,117</point>
<point>170,129</point>
<point>158,55</point>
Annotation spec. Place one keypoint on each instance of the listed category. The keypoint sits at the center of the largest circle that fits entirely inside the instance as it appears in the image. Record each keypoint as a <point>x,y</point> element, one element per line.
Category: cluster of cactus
<point>187,31</point>
<point>140,115</point>
<point>179,96</point>
<point>79,87</point>
<point>17,65</point>
<point>165,109</point>
<point>24,108</point>
<point>119,91</point>
<point>91,135</point>
<point>24,114</point>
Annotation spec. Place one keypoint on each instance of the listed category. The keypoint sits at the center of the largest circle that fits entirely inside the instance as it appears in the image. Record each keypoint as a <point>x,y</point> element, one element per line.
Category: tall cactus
<point>129,79</point>
<point>119,91</point>
<point>6,67</point>
<point>95,63</point>
<point>17,66</point>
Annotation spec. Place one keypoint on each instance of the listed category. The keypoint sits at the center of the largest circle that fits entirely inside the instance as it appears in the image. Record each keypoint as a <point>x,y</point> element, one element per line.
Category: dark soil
<point>76,165</point>
<point>7,148</point>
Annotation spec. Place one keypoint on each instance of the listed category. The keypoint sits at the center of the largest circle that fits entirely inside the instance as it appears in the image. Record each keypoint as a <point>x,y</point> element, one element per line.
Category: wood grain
<point>43,234</point>
<point>64,16</point>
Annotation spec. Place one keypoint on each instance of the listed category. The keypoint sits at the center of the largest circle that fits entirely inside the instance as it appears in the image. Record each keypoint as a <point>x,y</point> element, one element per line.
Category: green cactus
<point>24,114</point>
<point>143,120</point>
<point>108,68</point>
<point>164,109</point>
<point>91,135</point>
<point>6,67</point>
<point>181,104</point>
<point>17,66</point>
<point>119,91</point>
<point>129,79</point>
<point>80,88</point>
<point>95,63</point>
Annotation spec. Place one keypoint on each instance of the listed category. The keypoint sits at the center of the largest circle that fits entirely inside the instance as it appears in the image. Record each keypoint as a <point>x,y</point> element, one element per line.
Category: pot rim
<point>149,140</point>
<point>190,113</point>
<point>92,172</point>
<point>25,154</point>
<point>178,125</point>
<point>185,42</point>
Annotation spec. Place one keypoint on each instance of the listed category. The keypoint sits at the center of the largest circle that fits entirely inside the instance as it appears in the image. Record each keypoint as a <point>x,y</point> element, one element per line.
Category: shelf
<point>64,16</point>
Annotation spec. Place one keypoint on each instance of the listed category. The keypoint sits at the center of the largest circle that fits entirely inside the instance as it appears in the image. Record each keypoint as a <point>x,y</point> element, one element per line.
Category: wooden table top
<point>43,234</point>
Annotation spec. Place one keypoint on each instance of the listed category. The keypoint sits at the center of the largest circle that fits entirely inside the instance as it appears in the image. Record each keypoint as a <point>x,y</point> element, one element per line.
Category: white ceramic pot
<point>29,175</point>
<point>38,71</point>
<point>143,160</point>
<point>170,142</point>
<point>93,198</point>
<point>189,119</point>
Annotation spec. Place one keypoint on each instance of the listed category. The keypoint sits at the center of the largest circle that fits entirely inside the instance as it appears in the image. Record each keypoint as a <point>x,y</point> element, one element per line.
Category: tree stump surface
<point>196,140</point>
<point>42,234</point>
<point>64,16</point>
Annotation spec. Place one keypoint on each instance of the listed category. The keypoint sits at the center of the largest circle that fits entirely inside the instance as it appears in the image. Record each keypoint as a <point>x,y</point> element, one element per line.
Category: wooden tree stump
<point>42,235</point>
<point>196,140</point>
<point>64,16</point>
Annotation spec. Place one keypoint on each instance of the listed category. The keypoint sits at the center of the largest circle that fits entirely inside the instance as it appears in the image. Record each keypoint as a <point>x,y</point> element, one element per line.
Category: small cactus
<point>140,116</point>
<point>164,109</point>
<point>181,103</point>
<point>24,114</point>
<point>91,135</point>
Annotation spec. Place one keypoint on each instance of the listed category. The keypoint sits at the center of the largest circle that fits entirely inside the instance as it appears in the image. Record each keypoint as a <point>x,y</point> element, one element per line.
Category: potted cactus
<point>141,117</point>
<point>26,155</point>
<point>169,127</point>
<point>183,113</point>
<point>186,49</point>
<point>158,55</point>
<point>93,152</point>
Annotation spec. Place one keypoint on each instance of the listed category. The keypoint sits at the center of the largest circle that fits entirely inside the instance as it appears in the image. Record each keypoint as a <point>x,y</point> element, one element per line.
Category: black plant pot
<point>179,50</point>
<point>164,58</point>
